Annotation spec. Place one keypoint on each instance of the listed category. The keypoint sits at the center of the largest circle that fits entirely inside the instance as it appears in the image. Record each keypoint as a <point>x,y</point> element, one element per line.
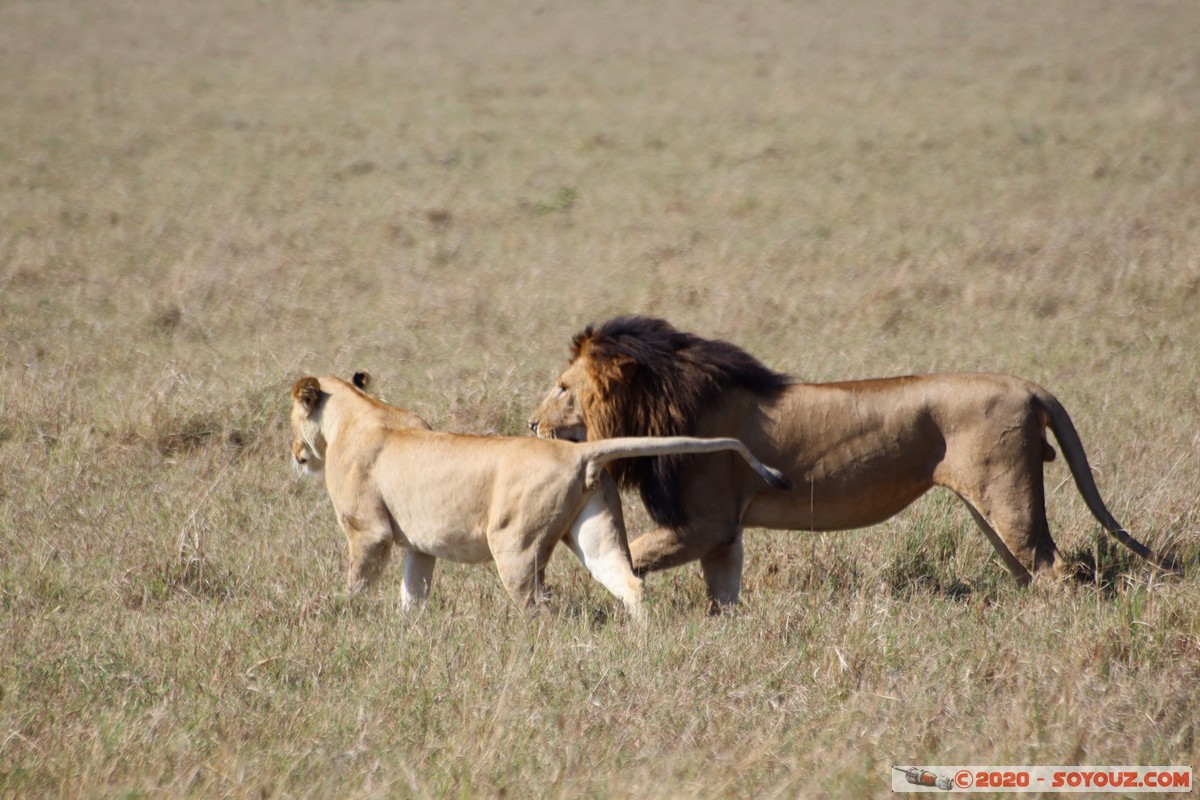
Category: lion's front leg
<point>722,570</point>
<point>711,532</point>
<point>664,548</point>
<point>718,547</point>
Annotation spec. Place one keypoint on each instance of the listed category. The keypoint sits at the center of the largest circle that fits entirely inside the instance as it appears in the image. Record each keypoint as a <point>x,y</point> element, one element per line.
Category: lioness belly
<point>443,531</point>
<point>448,543</point>
<point>438,504</point>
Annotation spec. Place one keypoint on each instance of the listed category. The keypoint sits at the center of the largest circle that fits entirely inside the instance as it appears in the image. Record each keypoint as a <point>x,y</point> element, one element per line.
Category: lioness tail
<point>601,452</point>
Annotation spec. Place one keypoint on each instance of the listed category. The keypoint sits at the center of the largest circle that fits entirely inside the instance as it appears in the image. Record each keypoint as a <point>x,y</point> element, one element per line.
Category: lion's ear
<point>624,368</point>
<point>362,379</point>
<point>615,369</point>
<point>307,392</point>
<point>581,339</point>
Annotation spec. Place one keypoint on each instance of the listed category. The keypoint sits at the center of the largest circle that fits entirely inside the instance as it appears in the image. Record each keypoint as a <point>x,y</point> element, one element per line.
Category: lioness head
<point>308,403</point>
<point>308,444</point>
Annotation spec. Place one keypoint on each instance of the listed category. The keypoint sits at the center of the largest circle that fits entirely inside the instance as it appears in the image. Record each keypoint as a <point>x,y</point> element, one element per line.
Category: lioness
<point>856,452</point>
<point>392,480</point>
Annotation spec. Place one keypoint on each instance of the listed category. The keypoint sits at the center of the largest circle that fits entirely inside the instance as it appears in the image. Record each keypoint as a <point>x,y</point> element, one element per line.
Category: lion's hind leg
<point>597,538</point>
<point>1020,534</point>
<point>1015,567</point>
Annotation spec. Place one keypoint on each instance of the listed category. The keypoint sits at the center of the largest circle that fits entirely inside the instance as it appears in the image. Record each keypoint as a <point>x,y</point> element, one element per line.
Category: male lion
<point>392,480</point>
<point>856,452</point>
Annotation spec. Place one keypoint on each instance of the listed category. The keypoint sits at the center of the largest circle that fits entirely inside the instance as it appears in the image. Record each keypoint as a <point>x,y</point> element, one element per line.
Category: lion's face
<point>560,414</point>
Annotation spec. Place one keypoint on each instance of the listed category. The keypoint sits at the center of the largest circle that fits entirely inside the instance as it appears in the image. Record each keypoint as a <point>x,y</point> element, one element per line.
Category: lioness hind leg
<point>597,538</point>
<point>1014,566</point>
<point>370,542</point>
<point>418,579</point>
<point>522,569</point>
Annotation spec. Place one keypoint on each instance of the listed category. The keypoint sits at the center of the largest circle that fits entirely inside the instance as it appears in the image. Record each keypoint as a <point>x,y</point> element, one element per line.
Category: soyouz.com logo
<point>1041,779</point>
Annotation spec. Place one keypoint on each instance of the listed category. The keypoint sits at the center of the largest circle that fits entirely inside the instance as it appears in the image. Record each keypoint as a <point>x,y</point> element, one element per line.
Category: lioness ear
<point>307,392</point>
<point>362,379</point>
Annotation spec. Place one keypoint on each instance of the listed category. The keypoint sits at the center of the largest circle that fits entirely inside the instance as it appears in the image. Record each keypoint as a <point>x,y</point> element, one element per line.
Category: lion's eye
<point>561,390</point>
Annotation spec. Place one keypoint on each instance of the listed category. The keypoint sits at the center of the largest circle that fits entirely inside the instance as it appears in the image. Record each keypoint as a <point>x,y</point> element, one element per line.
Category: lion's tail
<point>1068,439</point>
<point>602,452</point>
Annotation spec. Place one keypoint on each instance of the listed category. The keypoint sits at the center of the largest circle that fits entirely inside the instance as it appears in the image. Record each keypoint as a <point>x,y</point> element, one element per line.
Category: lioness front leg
<point>418,579</point>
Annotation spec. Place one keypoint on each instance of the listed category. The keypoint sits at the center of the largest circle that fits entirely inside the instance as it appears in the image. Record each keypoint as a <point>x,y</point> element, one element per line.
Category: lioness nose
<point>533,427</point>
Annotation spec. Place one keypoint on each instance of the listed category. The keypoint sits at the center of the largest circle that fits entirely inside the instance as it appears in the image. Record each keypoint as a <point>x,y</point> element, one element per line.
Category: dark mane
<point>658,381</point>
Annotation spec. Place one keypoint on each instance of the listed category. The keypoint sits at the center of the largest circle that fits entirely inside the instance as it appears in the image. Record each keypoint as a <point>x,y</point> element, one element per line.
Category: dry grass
<point>200,201</point>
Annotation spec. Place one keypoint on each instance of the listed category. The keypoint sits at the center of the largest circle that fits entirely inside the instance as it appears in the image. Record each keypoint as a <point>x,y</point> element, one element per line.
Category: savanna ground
<point>201,201</point>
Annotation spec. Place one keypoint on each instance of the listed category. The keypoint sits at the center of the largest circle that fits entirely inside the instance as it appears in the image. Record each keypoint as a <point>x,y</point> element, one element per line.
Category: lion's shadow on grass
<point>906,577</point>
<point>926,563</point>
<point>1108,567</point>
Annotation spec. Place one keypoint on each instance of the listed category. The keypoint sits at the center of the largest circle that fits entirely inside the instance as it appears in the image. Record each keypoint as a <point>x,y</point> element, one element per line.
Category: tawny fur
<point>393,481</point>
<point>856,452</point>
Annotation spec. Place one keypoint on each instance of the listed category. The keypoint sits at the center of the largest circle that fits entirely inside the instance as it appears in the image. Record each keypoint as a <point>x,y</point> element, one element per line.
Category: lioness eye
<point>562,389</point>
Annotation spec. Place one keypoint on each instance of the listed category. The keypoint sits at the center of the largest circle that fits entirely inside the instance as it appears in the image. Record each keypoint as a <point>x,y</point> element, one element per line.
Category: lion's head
<point>639,376</point>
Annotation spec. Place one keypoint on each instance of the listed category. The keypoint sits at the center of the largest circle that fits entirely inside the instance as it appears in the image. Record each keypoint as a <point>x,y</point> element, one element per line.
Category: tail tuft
<point>776,478</point>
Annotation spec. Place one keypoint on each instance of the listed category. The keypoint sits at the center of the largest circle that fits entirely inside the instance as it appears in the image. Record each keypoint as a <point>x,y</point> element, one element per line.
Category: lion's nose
<point>533,427</point>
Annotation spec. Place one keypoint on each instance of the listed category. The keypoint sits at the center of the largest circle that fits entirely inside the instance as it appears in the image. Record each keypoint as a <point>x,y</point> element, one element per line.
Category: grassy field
<point>200,202</point>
